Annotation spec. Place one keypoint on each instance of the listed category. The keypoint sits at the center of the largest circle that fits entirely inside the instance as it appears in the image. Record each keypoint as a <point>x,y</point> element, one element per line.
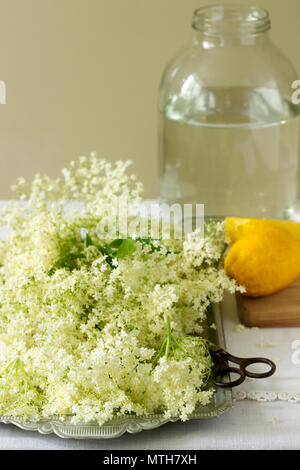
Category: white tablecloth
<point>248,425</point>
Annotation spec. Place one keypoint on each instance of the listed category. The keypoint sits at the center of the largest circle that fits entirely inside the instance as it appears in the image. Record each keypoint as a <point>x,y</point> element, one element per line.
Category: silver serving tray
<point>221,401</point>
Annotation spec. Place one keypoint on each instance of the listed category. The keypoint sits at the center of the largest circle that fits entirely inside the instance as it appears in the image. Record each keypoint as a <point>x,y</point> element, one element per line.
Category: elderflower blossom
<point>80,328</point>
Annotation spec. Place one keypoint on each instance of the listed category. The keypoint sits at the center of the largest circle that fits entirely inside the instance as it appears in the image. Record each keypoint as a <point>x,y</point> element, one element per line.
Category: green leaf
<point>116,243</point>
<point>88,240</point>
<point>126,247</point>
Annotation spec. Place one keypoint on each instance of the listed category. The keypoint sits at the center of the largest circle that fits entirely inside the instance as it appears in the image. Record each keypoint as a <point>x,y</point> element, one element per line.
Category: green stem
<point>169,326</point>
<point>169,338</point>
<point>218,262</point>
<point>159,353</point>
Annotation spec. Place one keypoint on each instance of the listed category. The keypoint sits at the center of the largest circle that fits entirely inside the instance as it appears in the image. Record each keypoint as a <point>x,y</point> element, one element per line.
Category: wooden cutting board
<point>278,310</point>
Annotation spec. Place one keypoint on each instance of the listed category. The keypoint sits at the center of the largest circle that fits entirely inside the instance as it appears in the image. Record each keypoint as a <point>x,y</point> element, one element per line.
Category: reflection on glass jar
<point>228,131</point>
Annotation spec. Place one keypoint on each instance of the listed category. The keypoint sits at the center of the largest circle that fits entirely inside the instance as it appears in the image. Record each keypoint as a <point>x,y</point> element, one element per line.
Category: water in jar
<point>233,150</point>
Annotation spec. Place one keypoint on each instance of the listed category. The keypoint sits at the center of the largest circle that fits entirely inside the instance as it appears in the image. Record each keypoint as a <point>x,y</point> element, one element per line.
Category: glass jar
<point>228,130</point>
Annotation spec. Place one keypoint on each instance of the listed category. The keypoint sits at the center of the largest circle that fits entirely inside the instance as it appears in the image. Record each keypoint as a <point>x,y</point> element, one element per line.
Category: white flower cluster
<point>81,323</point>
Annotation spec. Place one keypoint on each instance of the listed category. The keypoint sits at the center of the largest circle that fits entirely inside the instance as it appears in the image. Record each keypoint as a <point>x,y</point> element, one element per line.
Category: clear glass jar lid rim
<point>231,18</point>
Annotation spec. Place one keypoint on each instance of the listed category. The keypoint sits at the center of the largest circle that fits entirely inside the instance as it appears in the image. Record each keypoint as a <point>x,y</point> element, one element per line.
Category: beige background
<point>82,75</point>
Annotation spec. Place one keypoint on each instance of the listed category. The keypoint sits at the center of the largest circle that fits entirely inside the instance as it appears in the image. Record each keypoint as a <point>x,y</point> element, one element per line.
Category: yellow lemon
<point>264,261</point>
<point>237,227</point>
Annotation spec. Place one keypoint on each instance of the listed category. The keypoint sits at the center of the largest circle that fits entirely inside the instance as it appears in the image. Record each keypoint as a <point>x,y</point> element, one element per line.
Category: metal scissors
<point>222,369</point>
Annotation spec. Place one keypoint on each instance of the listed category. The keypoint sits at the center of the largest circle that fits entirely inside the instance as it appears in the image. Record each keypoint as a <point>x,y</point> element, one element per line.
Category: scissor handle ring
<point>258,360</point>
<point>227,370</point>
